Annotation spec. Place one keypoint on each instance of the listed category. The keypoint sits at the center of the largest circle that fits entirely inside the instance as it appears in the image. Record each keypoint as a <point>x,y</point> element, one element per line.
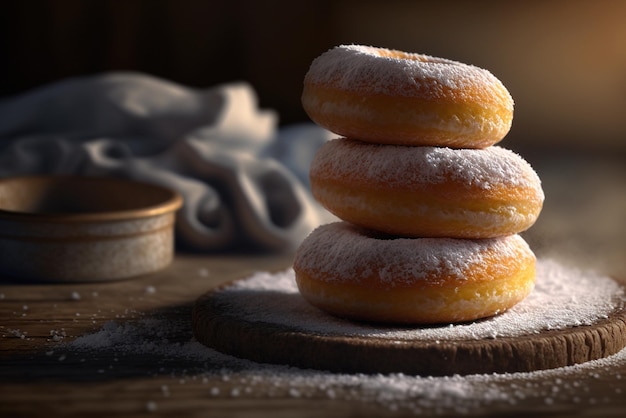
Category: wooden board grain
<point>221,326</point>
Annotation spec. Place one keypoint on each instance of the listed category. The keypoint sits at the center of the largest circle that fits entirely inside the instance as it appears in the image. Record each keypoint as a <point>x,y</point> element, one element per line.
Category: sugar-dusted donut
<point>359,274</point>
<point>393,97</point>
<point>427,191</point>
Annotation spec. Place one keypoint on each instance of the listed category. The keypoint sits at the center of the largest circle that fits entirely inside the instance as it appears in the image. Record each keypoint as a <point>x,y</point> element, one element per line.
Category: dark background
<point>564,61</point>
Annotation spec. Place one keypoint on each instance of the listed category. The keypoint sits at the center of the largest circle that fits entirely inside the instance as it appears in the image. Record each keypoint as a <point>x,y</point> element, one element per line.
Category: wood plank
<point>40,376</point>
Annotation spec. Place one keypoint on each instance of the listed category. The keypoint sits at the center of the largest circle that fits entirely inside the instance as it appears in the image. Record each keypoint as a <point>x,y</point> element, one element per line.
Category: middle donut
<point>427,191</point>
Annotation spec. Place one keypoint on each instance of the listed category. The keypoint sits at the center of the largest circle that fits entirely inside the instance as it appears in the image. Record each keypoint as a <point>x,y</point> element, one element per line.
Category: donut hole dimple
<point>409,56</point>
<point>387,53</point>
<point>401,55</point>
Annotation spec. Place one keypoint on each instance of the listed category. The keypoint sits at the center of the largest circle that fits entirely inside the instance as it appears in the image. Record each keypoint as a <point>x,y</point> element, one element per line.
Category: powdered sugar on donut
<point>397,165</point>
<point>381,71</point>
<point>563,297</point>
<point>342,252</point>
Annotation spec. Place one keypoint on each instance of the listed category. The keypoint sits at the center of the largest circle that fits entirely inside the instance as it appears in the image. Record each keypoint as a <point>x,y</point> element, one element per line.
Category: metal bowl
<point>75,229</point>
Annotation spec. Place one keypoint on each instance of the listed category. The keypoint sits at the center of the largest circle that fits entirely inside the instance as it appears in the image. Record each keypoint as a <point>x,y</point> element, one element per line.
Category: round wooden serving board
<point>271,326</point>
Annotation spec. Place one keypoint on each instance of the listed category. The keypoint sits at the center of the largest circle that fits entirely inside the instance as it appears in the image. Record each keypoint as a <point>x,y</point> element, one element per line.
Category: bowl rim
<point>171,203</point>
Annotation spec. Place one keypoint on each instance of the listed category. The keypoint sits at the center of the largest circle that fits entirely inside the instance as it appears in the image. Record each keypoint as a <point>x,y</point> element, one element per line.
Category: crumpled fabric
<point>244,180</point>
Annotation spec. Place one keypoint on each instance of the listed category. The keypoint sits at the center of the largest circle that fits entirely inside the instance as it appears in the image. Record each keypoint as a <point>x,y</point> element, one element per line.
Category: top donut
<point>387,96</point>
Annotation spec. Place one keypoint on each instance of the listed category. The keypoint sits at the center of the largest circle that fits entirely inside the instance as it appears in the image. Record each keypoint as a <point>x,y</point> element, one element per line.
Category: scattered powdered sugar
<point>149,335</point>
<point>563,298</point>
<point>382,71</point>
<point>167,343</point>
<point>405,166</point>
<point>337,250</point>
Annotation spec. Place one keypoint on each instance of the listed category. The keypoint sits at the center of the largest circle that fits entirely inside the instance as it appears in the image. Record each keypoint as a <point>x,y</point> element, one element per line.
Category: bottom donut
<point>362,275</point>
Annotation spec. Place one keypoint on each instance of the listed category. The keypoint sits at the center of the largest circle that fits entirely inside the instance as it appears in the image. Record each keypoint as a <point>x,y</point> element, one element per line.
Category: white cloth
<point>243,180</point>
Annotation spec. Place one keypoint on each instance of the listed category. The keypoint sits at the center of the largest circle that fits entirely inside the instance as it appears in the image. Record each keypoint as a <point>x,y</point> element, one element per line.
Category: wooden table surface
<point>43,374</point>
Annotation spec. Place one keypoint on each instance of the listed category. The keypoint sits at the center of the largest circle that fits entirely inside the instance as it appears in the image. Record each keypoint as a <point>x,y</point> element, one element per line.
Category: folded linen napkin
<point>243,180</point>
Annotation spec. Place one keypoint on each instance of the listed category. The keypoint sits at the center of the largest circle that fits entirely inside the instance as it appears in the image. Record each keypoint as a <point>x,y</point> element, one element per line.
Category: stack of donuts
<point>430,208</point>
